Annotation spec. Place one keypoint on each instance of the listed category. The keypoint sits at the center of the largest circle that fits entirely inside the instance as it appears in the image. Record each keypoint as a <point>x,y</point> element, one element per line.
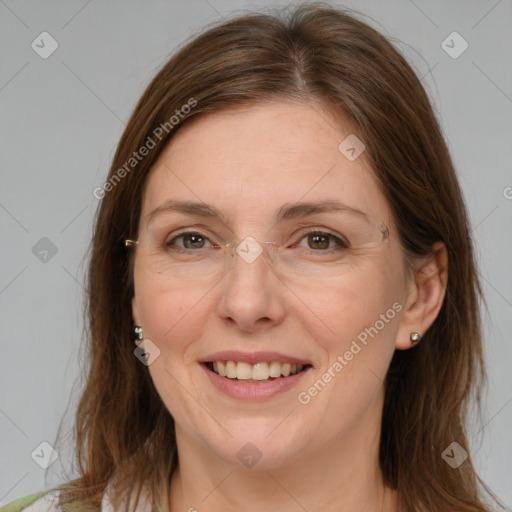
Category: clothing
<point>47,501</point>
<point>39,502</point>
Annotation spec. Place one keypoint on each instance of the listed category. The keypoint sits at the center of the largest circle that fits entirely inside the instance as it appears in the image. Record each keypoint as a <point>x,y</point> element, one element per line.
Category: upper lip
<point>252,357</point>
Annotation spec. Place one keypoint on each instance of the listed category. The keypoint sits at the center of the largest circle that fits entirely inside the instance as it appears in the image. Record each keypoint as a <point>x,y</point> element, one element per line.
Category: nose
<point>251,297</point>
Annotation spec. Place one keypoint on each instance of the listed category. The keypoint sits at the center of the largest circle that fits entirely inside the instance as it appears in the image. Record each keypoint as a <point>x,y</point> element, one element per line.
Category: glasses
<point>311,253</point>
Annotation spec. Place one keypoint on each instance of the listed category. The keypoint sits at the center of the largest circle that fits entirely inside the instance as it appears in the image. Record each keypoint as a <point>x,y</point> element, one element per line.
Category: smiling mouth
<point>259,372</point>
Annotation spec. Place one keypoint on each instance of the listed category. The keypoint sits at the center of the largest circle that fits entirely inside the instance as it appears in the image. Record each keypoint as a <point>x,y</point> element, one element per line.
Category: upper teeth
<point>258,371</point>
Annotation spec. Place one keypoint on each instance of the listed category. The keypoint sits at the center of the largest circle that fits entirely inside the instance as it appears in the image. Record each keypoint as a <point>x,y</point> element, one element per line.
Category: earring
<point>415,338</point>
<point>137,333</point>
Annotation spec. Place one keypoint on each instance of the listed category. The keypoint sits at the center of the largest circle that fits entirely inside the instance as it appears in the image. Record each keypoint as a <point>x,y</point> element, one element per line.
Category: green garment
<point>21,503</point>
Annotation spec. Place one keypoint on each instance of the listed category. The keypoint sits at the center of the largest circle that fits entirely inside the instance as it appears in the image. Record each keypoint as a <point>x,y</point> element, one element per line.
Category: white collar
<point>144,504</point>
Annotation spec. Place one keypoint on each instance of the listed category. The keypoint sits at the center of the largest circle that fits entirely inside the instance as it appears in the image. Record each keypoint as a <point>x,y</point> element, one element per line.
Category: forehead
<point>251,161</point>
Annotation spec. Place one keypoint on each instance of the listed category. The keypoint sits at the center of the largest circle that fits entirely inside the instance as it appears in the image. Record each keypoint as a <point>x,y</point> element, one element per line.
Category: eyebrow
<point>286,212</point>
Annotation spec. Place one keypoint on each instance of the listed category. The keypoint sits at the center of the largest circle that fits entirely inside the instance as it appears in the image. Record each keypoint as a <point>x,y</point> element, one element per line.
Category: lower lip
<point>254,390</point>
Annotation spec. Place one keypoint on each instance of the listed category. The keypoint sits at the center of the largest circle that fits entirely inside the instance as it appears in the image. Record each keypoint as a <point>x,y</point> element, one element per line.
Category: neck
<point>342,475</point>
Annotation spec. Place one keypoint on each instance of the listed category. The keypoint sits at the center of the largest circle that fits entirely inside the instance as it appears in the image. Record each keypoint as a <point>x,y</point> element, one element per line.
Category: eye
<point>190,239</point>
<point>321,240</point>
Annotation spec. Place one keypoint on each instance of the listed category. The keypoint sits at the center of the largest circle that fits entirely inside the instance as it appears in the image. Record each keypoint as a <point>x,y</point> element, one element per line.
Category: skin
<point>322,455</point>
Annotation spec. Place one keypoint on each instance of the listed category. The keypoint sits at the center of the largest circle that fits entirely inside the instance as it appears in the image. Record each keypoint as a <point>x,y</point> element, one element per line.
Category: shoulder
<point>45,501</point>
<point>48,501</point>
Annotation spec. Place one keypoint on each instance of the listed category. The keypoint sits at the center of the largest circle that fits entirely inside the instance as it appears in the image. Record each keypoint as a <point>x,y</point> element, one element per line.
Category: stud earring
<point>415,338</point>
<point>137,333</point>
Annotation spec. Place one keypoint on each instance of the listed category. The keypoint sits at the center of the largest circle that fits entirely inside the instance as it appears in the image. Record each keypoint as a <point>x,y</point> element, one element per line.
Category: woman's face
<point>339,317</point>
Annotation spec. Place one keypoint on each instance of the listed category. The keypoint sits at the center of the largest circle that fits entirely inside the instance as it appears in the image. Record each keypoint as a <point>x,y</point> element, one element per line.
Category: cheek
<point>171,314</point>
<point>359,318</point>
<point>172,318</point>
<point>342,308</point>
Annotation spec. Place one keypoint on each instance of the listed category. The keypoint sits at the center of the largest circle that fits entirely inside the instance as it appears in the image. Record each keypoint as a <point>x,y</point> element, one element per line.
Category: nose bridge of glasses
<point>250,249</point>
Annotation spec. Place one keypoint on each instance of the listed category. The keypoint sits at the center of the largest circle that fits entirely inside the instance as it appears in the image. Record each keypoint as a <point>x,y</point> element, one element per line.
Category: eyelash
<point>341,244</point>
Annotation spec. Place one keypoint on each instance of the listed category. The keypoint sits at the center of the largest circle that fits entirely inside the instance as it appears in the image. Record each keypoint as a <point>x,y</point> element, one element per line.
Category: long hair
<point>123,432</point>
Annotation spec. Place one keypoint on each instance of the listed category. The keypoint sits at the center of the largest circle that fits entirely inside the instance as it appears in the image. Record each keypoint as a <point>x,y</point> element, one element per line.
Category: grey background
<point>61,117</point>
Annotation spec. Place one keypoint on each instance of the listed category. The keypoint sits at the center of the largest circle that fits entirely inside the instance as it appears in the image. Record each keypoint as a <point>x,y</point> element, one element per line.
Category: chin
<point>257,444</point>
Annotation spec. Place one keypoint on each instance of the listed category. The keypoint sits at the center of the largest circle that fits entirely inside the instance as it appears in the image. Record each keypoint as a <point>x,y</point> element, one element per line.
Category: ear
<point>425,294</point>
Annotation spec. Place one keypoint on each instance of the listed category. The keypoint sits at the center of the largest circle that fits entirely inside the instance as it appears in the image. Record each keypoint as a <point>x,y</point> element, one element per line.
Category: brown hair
<point>316,52</point>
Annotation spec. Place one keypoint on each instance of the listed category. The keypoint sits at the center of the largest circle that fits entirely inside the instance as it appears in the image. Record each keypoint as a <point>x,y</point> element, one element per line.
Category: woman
<point>283,299</point>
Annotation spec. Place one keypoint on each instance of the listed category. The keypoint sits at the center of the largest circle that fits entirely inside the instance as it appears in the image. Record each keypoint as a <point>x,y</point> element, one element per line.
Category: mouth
<point>264,371</point>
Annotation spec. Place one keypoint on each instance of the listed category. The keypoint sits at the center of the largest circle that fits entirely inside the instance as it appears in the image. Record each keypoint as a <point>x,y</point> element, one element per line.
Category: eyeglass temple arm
<point>130,243</point>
